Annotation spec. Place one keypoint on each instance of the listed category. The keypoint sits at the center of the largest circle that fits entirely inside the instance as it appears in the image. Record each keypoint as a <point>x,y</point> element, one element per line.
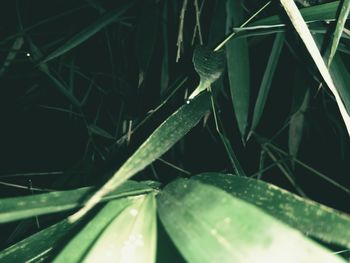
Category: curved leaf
<point>159,142</point>
<point>209,225</point>
<point>309,217</point>
<point>16,208</point>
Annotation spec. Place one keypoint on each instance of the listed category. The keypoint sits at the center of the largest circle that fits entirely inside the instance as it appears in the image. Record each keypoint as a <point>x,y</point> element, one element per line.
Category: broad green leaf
<point>319,12</point>
<point>101,132</point>
<point>343,16</point>
<point>209,65</point>
<point>89,31</point>
<point>16,208</point>
<point>267,79</point>
<point>209,225</point>
<point>130,237</point>
<point>304,33</point>
<point>238,66</point>
<point>305,215</point>
<point>160,141</point>
<point>217,25</point>
<point>146,36</point>
<point>37,247</point>
<point>76,249</point>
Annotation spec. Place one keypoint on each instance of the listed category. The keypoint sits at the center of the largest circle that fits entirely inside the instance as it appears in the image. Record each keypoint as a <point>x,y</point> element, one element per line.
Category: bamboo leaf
<point>267,79</point>
<point>159,142</point>
<point>130,237</point>
<point>209,65</point>
<point>321,12</point>
<point>238,66</point>
<point>81,243</point>
<point>16,208</point>
<point>304,33</point>
<point>343,15</point>
<point>198,216</point>
<point>37,247</point>
<point>101,132</point>
<point>305,215</point>
<point>89,31</point>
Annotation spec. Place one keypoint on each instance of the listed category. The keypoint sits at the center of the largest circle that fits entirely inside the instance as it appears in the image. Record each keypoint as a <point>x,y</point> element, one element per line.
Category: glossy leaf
<point>304,33</point>
<point>305,215</point>
<point>267,79</point>
<point>209,65</point>
<point>16,208</point>
<point>238,66</point>
<point>38,246</point>
<point>76,249</point>
<point>130,237</point>
<point>209,225</point>
<point>159,142</point>
<point>89,31</point>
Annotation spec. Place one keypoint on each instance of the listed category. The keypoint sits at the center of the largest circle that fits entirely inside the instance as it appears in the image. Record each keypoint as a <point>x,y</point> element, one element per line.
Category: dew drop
<point>134,212</point>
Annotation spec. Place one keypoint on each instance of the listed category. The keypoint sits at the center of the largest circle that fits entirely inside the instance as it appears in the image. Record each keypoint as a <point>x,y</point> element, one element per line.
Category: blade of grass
<point>16,208</point>
<point>89,31</point>
<point>343,16</point>
<point>238,67</point>
<point>267,79</point>
<point>159,142</point>
<point>311,218</point>
<point>304,33</point>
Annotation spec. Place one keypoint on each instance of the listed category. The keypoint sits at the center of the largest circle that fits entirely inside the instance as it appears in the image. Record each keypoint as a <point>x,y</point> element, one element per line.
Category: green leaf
<point>343,15</point>
<point>238,66</point>
<point>320,12</point>
<point>305,215</point>
<point>304,33</point>
<point>267,79</point>
<point>37,247</point>
<point>81,243</point>
<point>89,31</point>
<point>131,237</point>
<point>209,65</point>
<point>160,141</point>
<point>123,231</point>
<point>101,132</point>
<point>16,208</point>
<point>296,123</point>
<point>209,225</point>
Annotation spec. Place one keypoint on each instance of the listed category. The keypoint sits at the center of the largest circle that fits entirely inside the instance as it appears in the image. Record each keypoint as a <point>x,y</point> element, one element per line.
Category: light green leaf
<point>160,141</point>
<point>130,237</point>
<point>267,79</point>
<point>319,12</point>
<point>304,33</point>
<point>16,208</point>
<point>209,225</point>
<point>209,65</point>
<point>81,243</point>
<point>343,15</point>
<point>101,132</point>
<point>305,215</point>
<point>238,66</point>
<point>89,31</point>
<point>37,247</point>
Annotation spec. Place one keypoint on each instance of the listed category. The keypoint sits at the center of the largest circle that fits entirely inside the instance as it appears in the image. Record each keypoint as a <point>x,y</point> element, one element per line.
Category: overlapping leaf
<point>209,225</point>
